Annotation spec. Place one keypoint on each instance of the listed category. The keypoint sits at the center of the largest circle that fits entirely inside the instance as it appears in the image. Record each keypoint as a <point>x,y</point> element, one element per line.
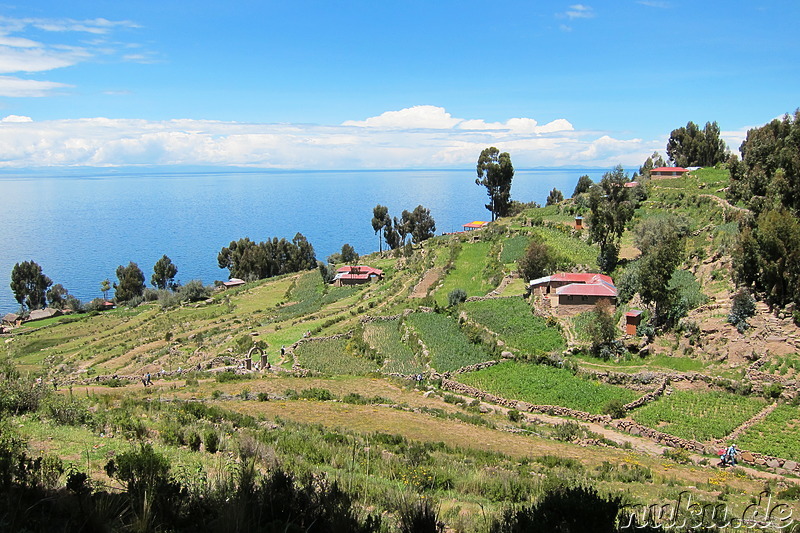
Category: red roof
<point>588,289</point>
<point>581,277</point>
<point>475,224</point>
<point>634,313</point>
<point>358,272</point>
<point>669,169</point>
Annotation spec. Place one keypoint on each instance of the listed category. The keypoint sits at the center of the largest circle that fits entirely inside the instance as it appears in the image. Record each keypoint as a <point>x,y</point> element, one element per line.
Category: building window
<point>584,298</point>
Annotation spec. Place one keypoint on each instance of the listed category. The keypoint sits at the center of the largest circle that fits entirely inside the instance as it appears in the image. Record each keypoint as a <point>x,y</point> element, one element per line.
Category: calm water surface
<point>79,228</point>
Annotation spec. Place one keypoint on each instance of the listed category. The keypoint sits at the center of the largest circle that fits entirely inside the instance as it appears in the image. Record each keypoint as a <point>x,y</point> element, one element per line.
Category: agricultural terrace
<point>332,357</point>
<point>546,385</point>
<point>776,435</point>
<point>514,249</point>
<point>513,321</point>
<point>386,338</point>
<point>699,415</point>
<point>467,272</point>
<point>449,347</point>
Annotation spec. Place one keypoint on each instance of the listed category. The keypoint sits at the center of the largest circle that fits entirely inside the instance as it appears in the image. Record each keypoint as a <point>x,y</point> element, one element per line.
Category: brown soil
<point>428,280</point>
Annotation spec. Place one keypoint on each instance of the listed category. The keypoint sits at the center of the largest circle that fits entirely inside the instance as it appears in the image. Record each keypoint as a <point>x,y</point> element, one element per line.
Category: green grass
<point>569,247</point>
<point>331,357</point>
<point>449,347</point>
<point>546,385</point>
<point>513,321</point>
<point>699,415</point>
<point>775,435</point>
<point>514,248</point>
<point>466,273</point>
<point>386,338</point>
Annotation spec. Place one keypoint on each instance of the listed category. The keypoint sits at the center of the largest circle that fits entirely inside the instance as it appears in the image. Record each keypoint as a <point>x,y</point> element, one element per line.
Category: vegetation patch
<point>331,357</point>
<point>467,273</point>
<point>513,321</point>
<point>449,347</point>
<point>699,415</point>
<point>385,337</point>
<point>775,435</point>
<point>546,385</point>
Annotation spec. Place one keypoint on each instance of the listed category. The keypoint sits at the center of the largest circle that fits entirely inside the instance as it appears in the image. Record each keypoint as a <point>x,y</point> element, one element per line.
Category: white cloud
<point>20,55</point>
<point>420,116</point>
<point>579,11</point>
<point>655,3</point>
<point>11,86</point>
<point>417,137</point>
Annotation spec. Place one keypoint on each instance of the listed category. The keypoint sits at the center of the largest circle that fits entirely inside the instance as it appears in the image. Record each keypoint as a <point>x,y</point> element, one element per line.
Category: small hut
<point>632,320</point>
<point>578,222</point>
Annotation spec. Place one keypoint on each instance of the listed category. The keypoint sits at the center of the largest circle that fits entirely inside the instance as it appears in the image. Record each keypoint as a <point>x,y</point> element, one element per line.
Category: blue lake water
<point>80,226</point>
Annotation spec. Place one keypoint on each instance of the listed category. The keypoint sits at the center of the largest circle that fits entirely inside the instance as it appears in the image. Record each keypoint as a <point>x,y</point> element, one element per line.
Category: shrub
<point>679,455</point>
<point>567,431</point>
<point>419,517</point>
<point>194,441</point>
<point>194,291</point>
<point>456,296</point>
<point>615,408</point>
<point>322,395</point>
<point>514,415</point>
<point>742,308</point>
<point>211,441</point>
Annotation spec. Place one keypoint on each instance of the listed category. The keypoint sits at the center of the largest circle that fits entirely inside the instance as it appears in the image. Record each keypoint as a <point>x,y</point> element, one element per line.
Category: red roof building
<point>356,274</point>
<point>668,172</point>
<point>583,288</point>
<point>475,224</point>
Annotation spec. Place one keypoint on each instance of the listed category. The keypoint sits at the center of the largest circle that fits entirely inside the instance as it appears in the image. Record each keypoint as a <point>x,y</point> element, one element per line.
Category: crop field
<point>466,273</point>
<point>699,415</point>
<point>572,248</point>
<point>514,248</point>
<point>385,337</point>
<point>450,349</point>
<point>512,320</point>
<point>331,357</point>
<point>546,385</point>
<point>776,435</point>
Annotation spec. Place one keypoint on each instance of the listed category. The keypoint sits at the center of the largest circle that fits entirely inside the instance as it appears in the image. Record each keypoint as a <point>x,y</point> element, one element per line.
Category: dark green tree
<point>380,214</point>
<point>611,207</point>
<point>656,268</point>
<point>390,235</point>
<point>603,327</point>
<point>130,282</point>
<point>654,161</point>
<point>57,296</point>
<point>250,261</point>
<point>554,197</point>
<point>768,175</point>
<point>29,285</point>
<point>404,226</point>
<point>690,146</point>
<point>423,226</point>
<point>105,286</point>
<point>583,185</point>
<point>495,172</point>
<point>537,261</point>
<point>164,272</point>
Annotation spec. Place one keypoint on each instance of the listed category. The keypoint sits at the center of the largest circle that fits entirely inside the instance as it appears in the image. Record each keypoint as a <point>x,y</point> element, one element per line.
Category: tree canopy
<point>583,185</point>
<point>29,285</point>
<point>611,207</point>
<point>690,146</point>
<point>653,161</point>
<point>164,272</point>
<point>422,224</point>
<point>130,282</point>
<point>380,216</point>
<point>495,172</point>
<point>554,197</point>
<point>250,261</point>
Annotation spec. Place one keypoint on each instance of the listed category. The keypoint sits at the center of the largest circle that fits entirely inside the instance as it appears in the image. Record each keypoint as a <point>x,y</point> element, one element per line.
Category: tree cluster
<point>419,224</point>
<point>653,161</point>
<point>130,283</point>
<point>554,197</point>
<point>539,260</point>
<point>611,207</point>
<point>250,261</point>
<point>766,258</point>
<point>495,172</point>
<point>692,147</point>
<point>29,285</point>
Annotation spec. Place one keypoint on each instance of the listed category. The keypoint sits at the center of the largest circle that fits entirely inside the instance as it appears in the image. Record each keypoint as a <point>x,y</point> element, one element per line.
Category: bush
<point>742,308</point>
<point>615,408</point>
<point>567,431</point>
<point>194,291</point>
<point>194,441</point>
<point>679,455</point>
<point>514,415</point>
<point>212,441</point>
<point>456,297</point>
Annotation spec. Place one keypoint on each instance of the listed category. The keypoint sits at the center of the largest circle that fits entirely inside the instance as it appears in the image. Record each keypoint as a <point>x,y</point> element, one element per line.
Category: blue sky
<point>401,84</point>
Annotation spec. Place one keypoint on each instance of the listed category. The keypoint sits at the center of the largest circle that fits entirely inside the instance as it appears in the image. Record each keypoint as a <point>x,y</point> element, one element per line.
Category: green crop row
<point>449,347</point>
<point>385,337</point>
<point>513,321</point>
<point>546,385</point>
<point>699,415</point>
<point>332,357</point>
<point>776,434</point>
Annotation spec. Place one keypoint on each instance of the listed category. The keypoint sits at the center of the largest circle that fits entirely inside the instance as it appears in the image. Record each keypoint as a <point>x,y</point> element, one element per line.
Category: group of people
<point>146,381</point>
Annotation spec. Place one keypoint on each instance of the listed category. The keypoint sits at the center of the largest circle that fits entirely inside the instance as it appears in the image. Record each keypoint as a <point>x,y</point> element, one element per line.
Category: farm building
<point>475,224</point>
<point>632,320</point>
<point>233,282</point>
<point>356,275</point>
<point>668,172</point>
<point>41,314</point>
<point>11,319</point>
<point>582,289</point>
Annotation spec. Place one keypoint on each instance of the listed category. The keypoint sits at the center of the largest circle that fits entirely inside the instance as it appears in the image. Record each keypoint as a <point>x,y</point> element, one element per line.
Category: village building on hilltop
<point>668,172</point>
<point>356,275</point>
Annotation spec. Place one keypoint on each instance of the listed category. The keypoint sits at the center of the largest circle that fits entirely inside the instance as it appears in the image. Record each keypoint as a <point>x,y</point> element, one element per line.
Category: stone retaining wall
<point>634,428</point>
<point>647,398</point>
<point>492,297</point>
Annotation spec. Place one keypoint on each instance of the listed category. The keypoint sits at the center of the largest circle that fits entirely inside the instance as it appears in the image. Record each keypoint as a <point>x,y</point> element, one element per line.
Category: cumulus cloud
<point>416,137</point>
